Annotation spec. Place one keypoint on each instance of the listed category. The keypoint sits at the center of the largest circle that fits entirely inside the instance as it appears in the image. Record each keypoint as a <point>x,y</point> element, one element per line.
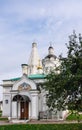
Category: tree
<point>64,89</point>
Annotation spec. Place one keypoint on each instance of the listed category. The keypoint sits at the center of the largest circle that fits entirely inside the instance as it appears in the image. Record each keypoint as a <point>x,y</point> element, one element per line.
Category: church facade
<point>23,97</point>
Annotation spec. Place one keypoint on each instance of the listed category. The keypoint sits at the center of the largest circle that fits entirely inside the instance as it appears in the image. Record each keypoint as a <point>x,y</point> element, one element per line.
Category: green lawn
<point>74,117</point>
<point>43,127</point>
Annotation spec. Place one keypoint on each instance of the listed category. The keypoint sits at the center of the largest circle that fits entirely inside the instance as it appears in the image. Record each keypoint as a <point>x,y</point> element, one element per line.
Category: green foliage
<point>55,95</point>
<point>74,116</point>
<point>65,88</point>
<point>3,119</point>
<point>43,127</point>
<point>0,113</point>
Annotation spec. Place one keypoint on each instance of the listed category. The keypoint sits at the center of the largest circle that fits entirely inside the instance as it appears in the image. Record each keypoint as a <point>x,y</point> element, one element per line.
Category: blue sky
<point>43,21</point>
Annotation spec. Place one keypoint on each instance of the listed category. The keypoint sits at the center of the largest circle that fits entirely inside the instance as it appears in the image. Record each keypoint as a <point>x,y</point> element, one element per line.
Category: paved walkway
<point>38,122</point>
<point>52,122</point>
<point>4,123</point>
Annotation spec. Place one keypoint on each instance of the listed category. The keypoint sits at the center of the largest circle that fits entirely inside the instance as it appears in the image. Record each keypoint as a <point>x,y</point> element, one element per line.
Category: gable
<point>24,84</point>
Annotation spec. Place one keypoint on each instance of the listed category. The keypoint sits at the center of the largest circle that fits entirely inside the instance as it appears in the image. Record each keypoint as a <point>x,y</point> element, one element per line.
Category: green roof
<point>37,76</point>
<point>34,76</point>
<point>15,79</point>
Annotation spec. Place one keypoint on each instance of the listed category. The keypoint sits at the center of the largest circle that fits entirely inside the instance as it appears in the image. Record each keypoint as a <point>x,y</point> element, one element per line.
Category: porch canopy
<point>21,98</point>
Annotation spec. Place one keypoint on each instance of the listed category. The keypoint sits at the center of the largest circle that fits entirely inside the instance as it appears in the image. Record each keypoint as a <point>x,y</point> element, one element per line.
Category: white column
<point>14,110</point>
<point>34,101</point>
<point>30,111</point>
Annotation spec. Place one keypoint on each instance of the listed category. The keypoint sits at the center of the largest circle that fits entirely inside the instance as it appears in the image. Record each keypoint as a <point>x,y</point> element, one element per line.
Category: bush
<point>3,119</point>
<point>0,114</point>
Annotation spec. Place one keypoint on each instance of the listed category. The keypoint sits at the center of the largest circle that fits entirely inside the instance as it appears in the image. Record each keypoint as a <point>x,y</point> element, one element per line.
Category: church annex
<point>23,97</point>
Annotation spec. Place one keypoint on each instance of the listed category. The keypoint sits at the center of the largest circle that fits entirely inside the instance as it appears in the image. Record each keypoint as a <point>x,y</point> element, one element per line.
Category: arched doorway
<point>24,105</point>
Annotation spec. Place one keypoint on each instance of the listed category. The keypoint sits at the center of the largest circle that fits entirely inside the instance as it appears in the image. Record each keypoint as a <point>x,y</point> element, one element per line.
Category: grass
<point>42,127</point>
<point>74,116</point>
<point>71,117</point>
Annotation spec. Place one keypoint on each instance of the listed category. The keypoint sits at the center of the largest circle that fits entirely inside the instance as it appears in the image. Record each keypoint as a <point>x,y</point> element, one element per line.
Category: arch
<point>22,106</point>
<point>21,98</point>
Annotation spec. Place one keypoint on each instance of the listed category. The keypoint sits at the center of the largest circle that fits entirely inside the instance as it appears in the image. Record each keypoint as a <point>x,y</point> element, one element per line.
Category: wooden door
<point>24,111</point>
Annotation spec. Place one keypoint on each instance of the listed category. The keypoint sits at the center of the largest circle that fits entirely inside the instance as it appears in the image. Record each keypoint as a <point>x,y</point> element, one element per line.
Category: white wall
<point>6,105</point>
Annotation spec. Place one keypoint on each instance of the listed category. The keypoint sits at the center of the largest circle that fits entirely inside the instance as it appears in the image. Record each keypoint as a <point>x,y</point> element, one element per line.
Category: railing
<point>50,115</point>
<point>47,115</point>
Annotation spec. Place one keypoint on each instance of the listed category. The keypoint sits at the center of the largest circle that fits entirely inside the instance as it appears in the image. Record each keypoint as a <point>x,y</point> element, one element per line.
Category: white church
<point>23,97</point>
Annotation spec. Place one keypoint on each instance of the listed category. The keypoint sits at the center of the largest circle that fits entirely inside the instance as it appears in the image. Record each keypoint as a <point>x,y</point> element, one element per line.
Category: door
<point>24,111</point>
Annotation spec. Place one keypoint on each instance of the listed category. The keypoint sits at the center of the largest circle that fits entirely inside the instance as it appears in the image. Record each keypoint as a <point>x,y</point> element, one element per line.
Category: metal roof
<point>34,76</point>
<point>37,76</point>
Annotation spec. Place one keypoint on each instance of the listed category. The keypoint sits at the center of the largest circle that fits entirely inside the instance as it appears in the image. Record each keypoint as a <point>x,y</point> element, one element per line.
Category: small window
<point>6,101</point>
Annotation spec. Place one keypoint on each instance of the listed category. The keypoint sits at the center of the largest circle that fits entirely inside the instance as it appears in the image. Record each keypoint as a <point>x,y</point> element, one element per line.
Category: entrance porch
<point>20,107</point>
